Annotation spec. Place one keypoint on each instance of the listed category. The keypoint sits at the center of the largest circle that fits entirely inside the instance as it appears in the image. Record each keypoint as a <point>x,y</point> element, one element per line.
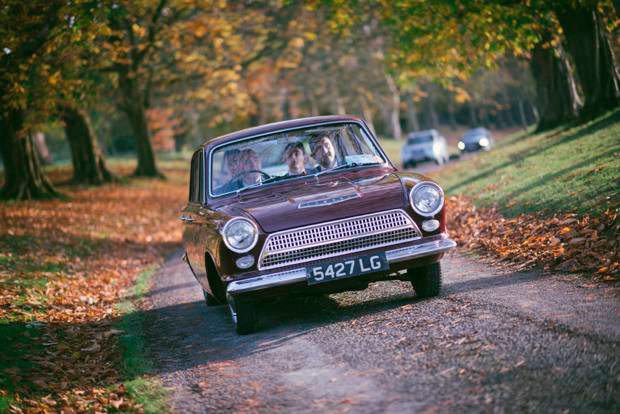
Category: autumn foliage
<point>64,265</point>
<point>563,242</point>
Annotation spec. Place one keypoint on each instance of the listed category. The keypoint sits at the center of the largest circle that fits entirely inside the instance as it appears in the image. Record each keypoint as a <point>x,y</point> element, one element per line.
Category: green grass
<point>136,366</point>
<point>574,169</point>
<point>392,149</point>
<point>17,340</point>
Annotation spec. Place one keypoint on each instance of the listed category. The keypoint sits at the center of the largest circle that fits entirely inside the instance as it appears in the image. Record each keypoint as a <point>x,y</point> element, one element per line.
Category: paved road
<point>494,341</point>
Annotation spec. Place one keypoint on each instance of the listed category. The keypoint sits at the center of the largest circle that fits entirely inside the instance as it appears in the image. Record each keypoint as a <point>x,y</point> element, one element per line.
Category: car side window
<point>194,179</point>
<point>201,177</point>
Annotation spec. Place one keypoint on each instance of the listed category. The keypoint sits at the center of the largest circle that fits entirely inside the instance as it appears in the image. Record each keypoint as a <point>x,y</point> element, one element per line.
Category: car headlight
<point>483,142</point>
<point>240,235</point>
<point>426,198</point>
<point>461,145</point>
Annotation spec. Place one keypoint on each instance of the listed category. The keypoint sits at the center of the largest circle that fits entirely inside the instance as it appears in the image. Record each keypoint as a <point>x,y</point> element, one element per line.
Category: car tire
<point>243,314</point>
<point>426,281</point>
<point>210,299</point>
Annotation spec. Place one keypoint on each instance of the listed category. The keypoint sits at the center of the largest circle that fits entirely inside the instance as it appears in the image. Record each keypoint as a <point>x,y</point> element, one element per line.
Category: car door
<point>191,216</point>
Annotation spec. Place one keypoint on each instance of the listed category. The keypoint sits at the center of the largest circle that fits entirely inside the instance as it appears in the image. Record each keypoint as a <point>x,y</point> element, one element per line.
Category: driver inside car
<point>250,165</point>
<point>244,167</point>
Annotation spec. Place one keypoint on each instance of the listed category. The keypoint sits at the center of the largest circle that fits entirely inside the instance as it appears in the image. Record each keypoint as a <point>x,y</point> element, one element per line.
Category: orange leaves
<point>63,267</point>
<point>564,242</point>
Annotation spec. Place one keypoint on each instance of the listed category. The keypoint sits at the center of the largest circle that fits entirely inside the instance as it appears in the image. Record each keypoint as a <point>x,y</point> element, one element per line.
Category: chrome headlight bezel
<point>227,227</point>
<point>416,188</point>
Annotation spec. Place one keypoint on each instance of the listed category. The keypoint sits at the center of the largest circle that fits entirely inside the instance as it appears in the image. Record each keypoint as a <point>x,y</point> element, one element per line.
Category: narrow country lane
<point>494,341</point>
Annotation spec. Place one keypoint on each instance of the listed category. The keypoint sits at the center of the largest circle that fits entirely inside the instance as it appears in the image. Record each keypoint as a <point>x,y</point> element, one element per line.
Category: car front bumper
<point>299,275</point>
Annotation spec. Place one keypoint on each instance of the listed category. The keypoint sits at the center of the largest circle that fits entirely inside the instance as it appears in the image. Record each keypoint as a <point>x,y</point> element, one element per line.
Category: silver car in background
<point>423,146</point>
<point>475,140</point>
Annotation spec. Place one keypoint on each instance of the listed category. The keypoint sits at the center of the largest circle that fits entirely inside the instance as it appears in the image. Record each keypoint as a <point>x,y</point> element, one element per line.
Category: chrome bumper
<point>299,275</point>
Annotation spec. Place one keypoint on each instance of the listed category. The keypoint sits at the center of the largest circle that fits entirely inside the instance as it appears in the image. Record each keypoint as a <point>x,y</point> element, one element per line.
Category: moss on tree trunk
<point>588,43</point>
<point>24,178</point>
<point>558,99</point>
<point>88,164</point>
<point>133,106</point>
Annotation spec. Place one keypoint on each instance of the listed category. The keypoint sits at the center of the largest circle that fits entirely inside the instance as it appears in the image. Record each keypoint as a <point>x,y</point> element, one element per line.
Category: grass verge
<point>571,169</point>
<point>140,386</point>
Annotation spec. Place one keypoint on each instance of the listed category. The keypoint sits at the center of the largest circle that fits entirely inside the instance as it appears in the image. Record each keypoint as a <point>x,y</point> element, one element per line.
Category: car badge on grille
<point>327,201</point>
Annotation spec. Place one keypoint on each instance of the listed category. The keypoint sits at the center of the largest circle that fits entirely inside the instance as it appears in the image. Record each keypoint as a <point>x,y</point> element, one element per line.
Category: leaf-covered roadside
<point>562,242</point>
<point>64,265</point>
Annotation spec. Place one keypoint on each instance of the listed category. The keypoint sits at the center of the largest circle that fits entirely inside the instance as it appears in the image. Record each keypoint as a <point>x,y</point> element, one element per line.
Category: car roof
<point>277,126</point>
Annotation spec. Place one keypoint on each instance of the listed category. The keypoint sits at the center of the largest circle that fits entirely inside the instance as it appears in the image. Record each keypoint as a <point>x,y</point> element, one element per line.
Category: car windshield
<point>475,133</point>
<point>287,155</point>
<point>420,139</point>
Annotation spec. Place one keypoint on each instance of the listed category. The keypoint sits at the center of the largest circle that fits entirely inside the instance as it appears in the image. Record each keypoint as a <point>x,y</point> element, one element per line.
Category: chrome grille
<point>338,237</point>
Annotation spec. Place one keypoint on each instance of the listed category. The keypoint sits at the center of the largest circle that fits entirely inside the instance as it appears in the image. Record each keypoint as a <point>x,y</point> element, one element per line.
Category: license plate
<point>343,269</point>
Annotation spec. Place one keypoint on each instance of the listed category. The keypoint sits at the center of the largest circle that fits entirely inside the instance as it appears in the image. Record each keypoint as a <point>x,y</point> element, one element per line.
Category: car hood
<point>428,146</point>
<point>320,199</point>
<point>473,138</point>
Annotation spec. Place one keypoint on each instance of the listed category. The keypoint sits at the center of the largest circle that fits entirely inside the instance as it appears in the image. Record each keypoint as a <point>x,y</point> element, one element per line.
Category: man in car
<point>231,162</point>
<point>250,165</point>
<point>295,158</point>
<point>322,150</point>
<point>244,167</point>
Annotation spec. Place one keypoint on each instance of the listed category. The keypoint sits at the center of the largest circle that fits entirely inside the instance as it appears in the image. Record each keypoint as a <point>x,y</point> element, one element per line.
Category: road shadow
<point>188,335</point>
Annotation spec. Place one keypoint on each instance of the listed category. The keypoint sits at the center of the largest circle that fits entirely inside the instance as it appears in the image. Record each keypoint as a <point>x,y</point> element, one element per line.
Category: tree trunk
<point>588,43</point>
<point>522,117</point>
<point>412,116</point>
<point>394,108</point>
<point>88,163</point>
<point>451,117</point>
<point>23,176</point>
<point>43,152</point>
<point>431,110</point>
<point>133,106</point>
<point>314,106</point>
<point>507,109</point>
<point>366,111</point>
<point>473,119</point>
<point>558,99</point>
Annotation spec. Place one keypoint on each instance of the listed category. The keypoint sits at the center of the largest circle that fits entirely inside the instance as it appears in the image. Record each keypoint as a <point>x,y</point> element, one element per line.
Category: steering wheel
<point>263,174</point>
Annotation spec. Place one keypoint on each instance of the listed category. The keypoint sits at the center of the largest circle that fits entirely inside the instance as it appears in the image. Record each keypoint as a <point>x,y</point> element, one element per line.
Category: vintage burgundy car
<point>307,206</point>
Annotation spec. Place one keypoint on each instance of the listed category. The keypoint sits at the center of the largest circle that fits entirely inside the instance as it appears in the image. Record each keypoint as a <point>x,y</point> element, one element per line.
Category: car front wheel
<point>426,281</point>
<point>243,314</point>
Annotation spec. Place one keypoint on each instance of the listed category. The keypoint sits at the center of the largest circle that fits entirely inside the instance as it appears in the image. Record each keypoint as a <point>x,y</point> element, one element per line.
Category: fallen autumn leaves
<point>564,242</point>
<point>63,267</point>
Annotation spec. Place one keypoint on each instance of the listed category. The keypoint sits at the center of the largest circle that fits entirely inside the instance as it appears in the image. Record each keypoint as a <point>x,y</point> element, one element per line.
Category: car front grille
<point>334,238</point>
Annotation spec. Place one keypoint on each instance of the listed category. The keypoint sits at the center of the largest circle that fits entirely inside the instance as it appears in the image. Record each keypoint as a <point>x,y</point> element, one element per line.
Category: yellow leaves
<point>53,80</point>
<point>297,42</point>
<point>461,96</point>
<point>138,30</point>
<point>311,36</point>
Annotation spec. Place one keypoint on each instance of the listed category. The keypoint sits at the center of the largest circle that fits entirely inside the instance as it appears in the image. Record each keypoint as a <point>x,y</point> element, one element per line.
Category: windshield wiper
<point>350,165</point>
<point>267,181</point>
<point>275,178</point>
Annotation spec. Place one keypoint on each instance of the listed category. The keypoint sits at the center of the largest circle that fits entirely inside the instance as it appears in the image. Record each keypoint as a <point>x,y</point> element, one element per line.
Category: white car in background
<point>423,146</point>
<point>475,140</point>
